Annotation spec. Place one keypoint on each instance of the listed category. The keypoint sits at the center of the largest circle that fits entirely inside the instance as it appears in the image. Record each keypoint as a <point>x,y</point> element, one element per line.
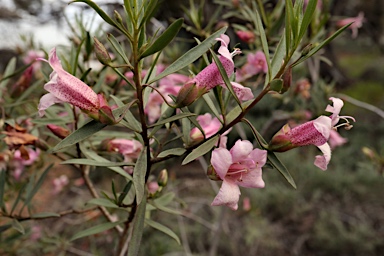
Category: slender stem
<point>92,190</point>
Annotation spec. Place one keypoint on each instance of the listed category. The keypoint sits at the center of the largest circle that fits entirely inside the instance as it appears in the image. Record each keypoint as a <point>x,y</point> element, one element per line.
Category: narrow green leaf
<point>165,199</point>
<point>86,161</point>
<point>164,39</point>
<point>264,44</point>
<point>80,134</point>
<point>102,202</point>
<point>17,225</point>
<point>37,186</point>
<point>201,150</point>
<point>20,193</point>
<point>139,173</point>
<point>211,105</point>
<point>162,228</point>
<point>321,45</point>
<point>173,152</point>
<point>43,215</point>
<point>256,134</point>
<point>9,70</point>
<point>95,7</point>
<point>278,165</point>
<point>278,57</point>
<point>190,56</point>
<point>150,8</point>
<point>119,49</point>
<point>95,230</point>
<point>166,209</point>
<point>94,156</point>
<point>288,25</point>
<point>310,10</point>
<point>224,75</point>
<point>172,118</point>
<point>2,186</point>
<point>126,189</point>
<point>138,229</point>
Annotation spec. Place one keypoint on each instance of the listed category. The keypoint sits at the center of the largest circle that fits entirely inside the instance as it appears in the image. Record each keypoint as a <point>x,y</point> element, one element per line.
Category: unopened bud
<point>153,188</point>
<point>307,49</point>
<point>369,153</point>
<point>287,80</point>
<point>162,179</point>
<point>101,52</point>
<point>58,130</point>
<point>280,142</point>
<point>212,174</point>
<point>118,17</point>
<point>188,94</point>
<point>246,36</point>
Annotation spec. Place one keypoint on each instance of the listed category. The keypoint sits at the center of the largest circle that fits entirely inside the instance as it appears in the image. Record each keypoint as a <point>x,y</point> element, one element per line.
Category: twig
<point>92,190</point>
<point>361,104</point>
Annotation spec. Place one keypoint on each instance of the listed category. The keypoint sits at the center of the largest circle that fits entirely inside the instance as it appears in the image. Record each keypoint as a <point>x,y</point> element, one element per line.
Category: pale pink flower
<point>33,55</point>
<point>130,149</point>
<point>210,125</point>
<point>246,204</point>
<point>316,132</point>
<point>36,233</point>
<point>64,87</point>
<point>169,85</point>
<point>152,187</point>
<point>240,166</point>
<point>357,23</point>
<point>256,63</point>
<point>246,36</point>
<point>336,140</point>
<point>210,77</point>
<point>59,183</point>
<point>19,162</point>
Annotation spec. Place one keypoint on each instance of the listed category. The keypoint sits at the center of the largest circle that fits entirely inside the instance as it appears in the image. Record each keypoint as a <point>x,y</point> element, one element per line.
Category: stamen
<point>235,52</point>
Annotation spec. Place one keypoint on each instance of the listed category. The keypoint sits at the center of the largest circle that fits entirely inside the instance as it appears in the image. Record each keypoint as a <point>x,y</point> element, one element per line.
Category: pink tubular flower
<point>256,63</point>
<point>357,23</point>
<point>169,85</point>
<point>240,166</point>
<point>20,161</point>
<point>130,149</point>
<point>210,77</point>
<point>316,132</point>
<point>210,126</point>
<point>64,87</point>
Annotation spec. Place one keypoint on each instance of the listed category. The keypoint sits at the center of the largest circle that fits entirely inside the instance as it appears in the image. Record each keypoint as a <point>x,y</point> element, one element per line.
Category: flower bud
<point>211,173</point>
<point>153,188</point>
<point>246,36</point>
<point>188,94</point>
<point>101,52</point>
<point>369,153</point>
<point>281,142</point>
<point>287,80</point>
<point>58,130</point>
<point>162,179</point>
<point>118,17</point>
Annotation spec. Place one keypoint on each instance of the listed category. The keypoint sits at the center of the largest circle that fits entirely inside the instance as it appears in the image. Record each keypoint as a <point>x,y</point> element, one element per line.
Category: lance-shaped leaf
<point>172,118</point>
<point>190,56</point>
<point>138,229</point>
<point>201,150</point>
<point>272,158</point>
<point>139,173</point>
<point>102,202</point>
<point>17,225</point>
<point>86,131</point>
<point>309,11</point>
<point>36,188</point>
<point>321,45</point>
<point>43,215</point>
<point>164,39</point>
<point>86,161</point>
<point>172,152</point>
<point>162,228</point>
<point>224,75</point>
<point>119,49</point>
<point>95,230</point>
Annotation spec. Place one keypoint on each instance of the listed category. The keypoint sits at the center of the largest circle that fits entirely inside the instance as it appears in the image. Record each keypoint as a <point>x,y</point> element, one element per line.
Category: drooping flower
<point>256,63</point>
<point>210,77</point>
<point>64,87</point>
<point>240,166</point>
<point>316,132</point>
<point>357,23</point>
<point>246,36</point>
<point>210,126</point>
